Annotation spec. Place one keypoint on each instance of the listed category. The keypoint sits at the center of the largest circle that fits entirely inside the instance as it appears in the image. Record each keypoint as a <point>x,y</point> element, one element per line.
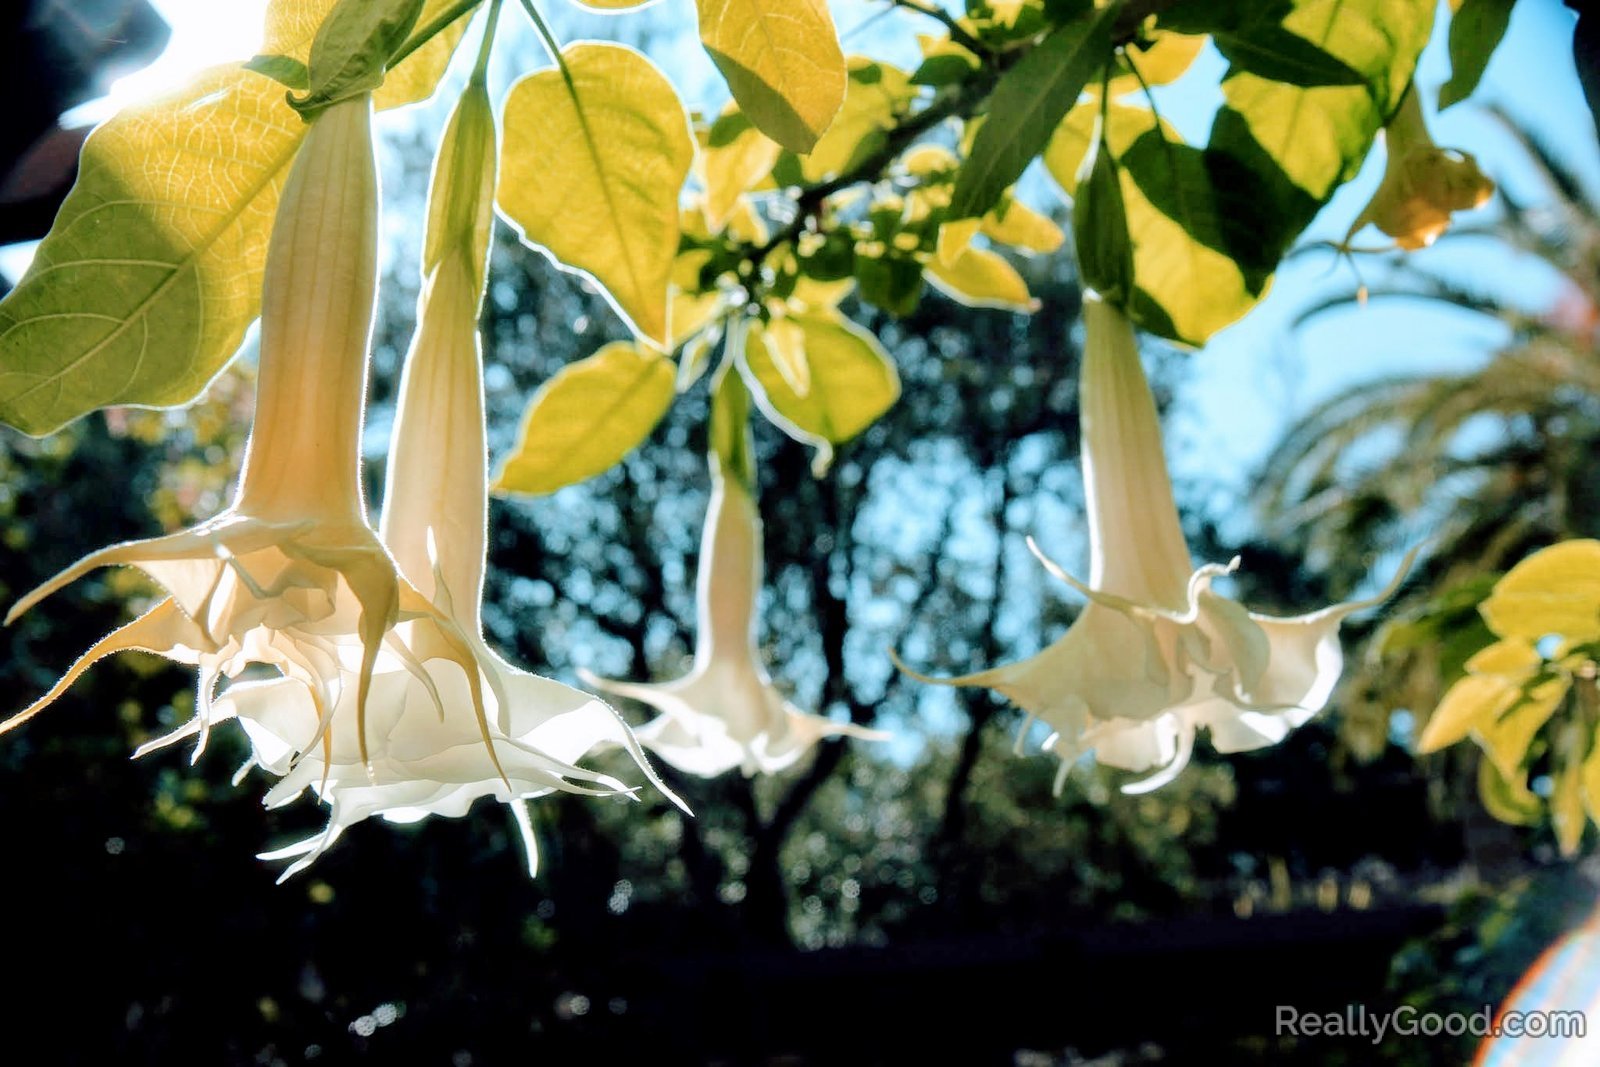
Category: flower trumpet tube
<point>1423,184</point>
<point>291,570</point>
<point>431,746</point>
<point>1156,653</point>
<point>726,712</point>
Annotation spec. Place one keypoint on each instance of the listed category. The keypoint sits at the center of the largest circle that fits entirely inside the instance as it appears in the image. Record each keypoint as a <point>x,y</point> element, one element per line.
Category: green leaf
<point>145,284</point>
<point>1271,51</point>
<point>1025,108</point>
<point>1313,139</point>
<point>285,70</point>
<point>1554,591</point>
<point>291,26</point>
<point>782,62</point>
<point>351,49</point>
<point>1198,260</point>
<point>1475,32</point>
<point>890,281</point>
<point>852,380</point>
<point>595,154</point>
<point>586,418</point>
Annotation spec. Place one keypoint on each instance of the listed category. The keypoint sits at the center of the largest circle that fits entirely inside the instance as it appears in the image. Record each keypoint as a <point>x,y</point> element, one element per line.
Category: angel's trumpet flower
<point>726,712</point>
<point>1156,654</point>
<point>291,571</point>
<point>1423,184</point>
<point>431,748</point>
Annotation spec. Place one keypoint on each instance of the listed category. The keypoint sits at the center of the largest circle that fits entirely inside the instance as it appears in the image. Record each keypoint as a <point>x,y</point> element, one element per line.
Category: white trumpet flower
<point>1156,654</point>
<point>726,712</point>
<point>291,569</point>
<point>429,745</point>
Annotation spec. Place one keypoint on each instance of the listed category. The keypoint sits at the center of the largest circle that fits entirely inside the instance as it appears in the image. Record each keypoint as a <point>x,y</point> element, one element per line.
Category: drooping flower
<point>726,712</point>
<point>290,572</point>
<point>432,747</point>
<point>1422,184</point>
<point>1156,654</point>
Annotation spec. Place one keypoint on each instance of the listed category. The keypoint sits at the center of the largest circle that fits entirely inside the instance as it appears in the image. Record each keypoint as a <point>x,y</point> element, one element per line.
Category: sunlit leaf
<point>146,283</point>
<point>1196,257</point>
<point>291,25</point>
<point>1167,57</point>
<point>1471,700</point>
<point>785,342</point>
<point>981,278</point>
<point>591,172</point>
<point>1313,139</point>
<point>852,380</point>
<point>736,157</point>
<point>875,95</point>
<point>1027,105</point>
<point>1554,591</point>
<point>782,62</point>
<point>352,48</point>
<point>1507,735</point>
<point>586,418</point>
<point>1476,28</point>
<point>1566,808</point>
<point>1015,223</point>
<point>1507,799</point>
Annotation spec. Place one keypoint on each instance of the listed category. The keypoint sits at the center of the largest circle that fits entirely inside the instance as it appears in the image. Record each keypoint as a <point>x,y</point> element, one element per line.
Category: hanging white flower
<point>291,571</point>
<point>1156,654</point>
<point>437,733</point>
<point>726,712</point>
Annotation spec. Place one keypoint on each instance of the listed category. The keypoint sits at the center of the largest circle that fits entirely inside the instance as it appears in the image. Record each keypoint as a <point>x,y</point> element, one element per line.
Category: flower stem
<point>480,69</point>
<point>551,44</point>
<point>431,30</point>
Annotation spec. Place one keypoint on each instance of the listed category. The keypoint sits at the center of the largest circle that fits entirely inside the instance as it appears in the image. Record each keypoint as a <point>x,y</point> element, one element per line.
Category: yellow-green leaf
<point>782,62</point>
<point>1014,223</point>
<point>1554,591</point>
<point>1591,780</point>
<point>1566,808</point>
<point>291,26</point>
<point>1183,224</point>
<point>981,278</point>
<point>591,171</point>
<point>1506,736</point>
<point>351,50</point>
<point>145,284</point>
<point>736,158</point>
<point>1166,58</point>
<point>852,380</point>
<point>1507,799</point>
<point>1469,702</point>
<point>786,344</point>
<point>1514,660</point>
<point>874,97</point>
<point>1318,135</point>
<point>586,418</point>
